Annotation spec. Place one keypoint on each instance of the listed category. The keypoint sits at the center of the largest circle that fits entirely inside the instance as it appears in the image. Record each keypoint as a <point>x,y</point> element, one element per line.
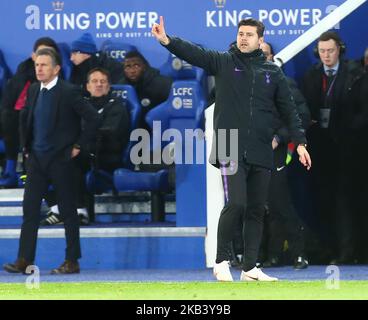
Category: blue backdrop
<point>211,23</point>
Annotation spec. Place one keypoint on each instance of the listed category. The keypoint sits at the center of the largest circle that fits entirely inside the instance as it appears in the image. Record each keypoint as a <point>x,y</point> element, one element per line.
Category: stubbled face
<point>329,52</point>
<point>247,39</point>
<point>133,69</point>
<point>45,70</point>
<point>78,57</point>
<point>98,84</point>
<point>266,50</point>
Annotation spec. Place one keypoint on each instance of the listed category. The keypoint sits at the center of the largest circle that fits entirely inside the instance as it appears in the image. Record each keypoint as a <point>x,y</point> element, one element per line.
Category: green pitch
<point>281,290</point>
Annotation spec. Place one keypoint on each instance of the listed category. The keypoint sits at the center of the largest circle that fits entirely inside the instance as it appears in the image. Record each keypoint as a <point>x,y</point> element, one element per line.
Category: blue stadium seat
<point>183,110</point>
<point>116,49</point>
<point>97,180</point>
<point>5,74</point>
<point>65,56</point>
<point>179,69</point>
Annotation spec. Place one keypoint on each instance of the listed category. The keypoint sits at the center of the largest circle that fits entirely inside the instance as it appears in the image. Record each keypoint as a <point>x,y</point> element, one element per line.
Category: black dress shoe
<point>19,266</point>
<point>67,267</point>
<point>300,263</point>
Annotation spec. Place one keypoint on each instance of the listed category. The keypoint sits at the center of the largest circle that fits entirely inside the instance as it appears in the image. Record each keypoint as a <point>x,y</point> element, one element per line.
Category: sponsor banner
<point>211,23</point>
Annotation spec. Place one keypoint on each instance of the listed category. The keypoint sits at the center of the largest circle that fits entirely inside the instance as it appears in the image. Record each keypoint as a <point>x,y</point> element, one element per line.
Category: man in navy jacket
<point>52,136</point>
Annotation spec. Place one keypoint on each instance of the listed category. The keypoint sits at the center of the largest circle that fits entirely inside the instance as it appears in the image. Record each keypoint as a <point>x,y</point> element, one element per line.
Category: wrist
<point>165,41</point>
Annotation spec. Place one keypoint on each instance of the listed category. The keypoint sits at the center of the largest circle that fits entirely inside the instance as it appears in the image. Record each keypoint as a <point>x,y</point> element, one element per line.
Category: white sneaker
<point>256,274</point>
<point>221,271</point>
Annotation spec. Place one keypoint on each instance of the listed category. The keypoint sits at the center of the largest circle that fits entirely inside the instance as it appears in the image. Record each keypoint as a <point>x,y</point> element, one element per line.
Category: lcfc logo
<point>220,3</point>
<point>177,64</point>
<point>177,103</point>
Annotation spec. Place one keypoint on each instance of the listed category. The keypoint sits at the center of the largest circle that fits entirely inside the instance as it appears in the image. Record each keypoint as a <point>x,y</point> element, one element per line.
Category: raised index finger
<point>161,21</point>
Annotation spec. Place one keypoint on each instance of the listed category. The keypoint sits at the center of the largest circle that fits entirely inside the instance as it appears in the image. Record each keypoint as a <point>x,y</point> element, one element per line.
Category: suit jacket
<point>313,93</point>
<point>68,109</point>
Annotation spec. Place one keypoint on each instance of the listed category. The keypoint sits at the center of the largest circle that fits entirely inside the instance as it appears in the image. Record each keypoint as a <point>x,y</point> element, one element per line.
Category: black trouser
<point>283,220</point>
<point>331,178</point>
<point>81,166</point>
<point>245,195</point>
<point>41,171</point>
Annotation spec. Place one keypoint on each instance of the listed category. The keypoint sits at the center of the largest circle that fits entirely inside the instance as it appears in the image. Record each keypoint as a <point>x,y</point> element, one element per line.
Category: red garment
<point>21,101</point>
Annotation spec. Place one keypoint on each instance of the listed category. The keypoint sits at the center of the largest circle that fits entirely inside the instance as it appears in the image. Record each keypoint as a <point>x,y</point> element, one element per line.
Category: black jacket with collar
<point>69,109</point>
<point>152,89</point>
<point>25,72</point>
<point>113,134</point>
<point>312,89</point>
<point>248,88</point>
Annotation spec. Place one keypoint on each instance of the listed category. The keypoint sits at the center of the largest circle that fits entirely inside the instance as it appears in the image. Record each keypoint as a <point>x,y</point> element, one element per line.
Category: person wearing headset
<point>324,87</point>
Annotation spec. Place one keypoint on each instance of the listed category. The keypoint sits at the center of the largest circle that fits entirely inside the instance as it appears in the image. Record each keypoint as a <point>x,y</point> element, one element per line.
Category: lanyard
<point>324,85</point>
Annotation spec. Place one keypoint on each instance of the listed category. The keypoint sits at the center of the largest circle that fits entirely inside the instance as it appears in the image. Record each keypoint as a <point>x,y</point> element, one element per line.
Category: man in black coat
<point>324,87</point>
<point>15,94</point>
<point>151,87</point>
<point>247,89</point>
<point>356,101</point>
<point>52,136</point>
<point>113,135</point>
<point>283,221</point>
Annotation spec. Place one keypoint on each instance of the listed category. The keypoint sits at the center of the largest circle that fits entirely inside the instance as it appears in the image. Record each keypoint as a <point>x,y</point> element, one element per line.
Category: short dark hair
<point>271,48</point>
<point>137,54</point>
<point>254,23</point>
<point>330,35</point>
<point>55,56</point>
<point>45,41</point>
<point>101,70</point>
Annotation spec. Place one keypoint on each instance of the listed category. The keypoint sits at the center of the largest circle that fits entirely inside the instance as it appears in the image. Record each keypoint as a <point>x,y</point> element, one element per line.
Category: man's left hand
<point>304,156</point>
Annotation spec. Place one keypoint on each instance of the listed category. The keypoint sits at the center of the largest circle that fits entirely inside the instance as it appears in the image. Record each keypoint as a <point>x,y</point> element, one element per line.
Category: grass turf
<point>283,290</point>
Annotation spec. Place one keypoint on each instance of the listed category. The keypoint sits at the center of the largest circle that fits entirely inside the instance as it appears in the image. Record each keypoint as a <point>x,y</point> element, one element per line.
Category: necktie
<point>41,96</point>
<point>330,72</point>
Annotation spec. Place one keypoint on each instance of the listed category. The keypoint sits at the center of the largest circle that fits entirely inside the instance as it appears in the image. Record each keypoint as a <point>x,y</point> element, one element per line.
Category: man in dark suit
<point>51,137</point>
<point>325,86</point>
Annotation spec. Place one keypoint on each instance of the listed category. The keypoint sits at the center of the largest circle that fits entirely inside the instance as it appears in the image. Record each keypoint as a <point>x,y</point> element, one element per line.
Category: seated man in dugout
<point>152,88</point>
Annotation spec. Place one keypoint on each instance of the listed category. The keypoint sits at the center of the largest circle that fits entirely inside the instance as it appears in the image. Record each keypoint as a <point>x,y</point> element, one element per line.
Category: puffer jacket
<point>248,88</point>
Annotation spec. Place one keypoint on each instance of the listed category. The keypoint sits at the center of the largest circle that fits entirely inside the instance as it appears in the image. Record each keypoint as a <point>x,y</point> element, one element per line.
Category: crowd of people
<point>58,123</point>
<point>63,127</point>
